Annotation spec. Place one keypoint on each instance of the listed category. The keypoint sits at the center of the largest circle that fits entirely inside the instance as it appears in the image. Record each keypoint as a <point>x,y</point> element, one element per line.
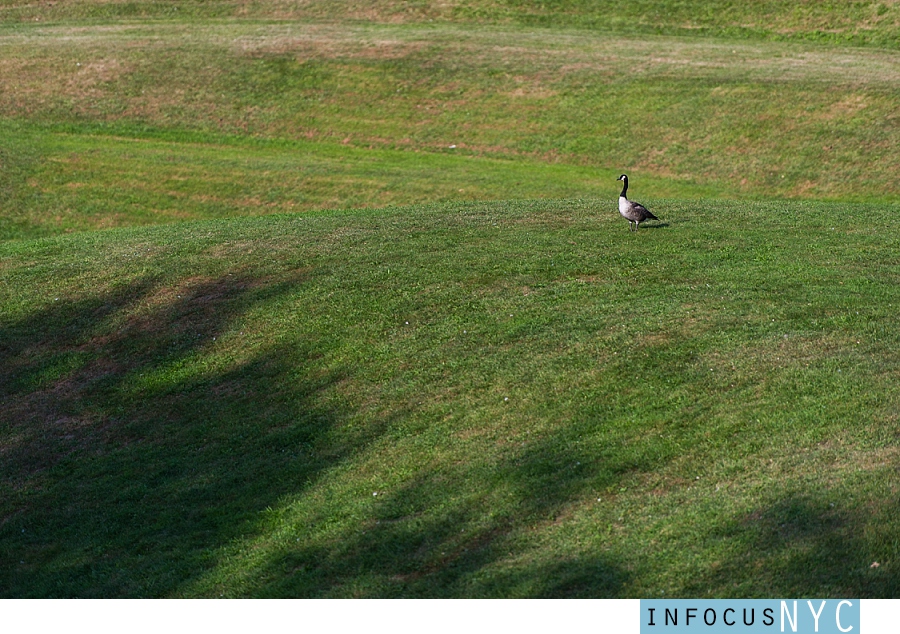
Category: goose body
<point>634,213</point>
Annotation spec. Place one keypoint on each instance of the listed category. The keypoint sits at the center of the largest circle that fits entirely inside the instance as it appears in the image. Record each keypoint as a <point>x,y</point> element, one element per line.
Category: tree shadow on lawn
<point>126,469</point>
<point>801,545</point>
<point>794,546</point>
<point>427,539</point>
<point>417,551</point>
<point>114,486</point>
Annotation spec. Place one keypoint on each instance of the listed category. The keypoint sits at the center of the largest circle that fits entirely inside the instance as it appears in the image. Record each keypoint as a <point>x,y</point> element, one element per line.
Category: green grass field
<point>544,403</point>
<point>264,332</point>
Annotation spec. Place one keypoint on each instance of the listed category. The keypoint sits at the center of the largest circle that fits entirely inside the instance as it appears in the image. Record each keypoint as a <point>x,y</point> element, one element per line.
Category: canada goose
<point>632,212</point>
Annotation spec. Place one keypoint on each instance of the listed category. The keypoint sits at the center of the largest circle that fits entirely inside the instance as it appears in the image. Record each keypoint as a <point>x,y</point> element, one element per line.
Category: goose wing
<point>642,212</point>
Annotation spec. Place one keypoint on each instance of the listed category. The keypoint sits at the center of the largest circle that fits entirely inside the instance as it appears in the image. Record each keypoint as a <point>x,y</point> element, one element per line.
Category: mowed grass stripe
<point>751,119</point>
<point>60,181</point>
<point>468,399</point>
<point>872,22</point>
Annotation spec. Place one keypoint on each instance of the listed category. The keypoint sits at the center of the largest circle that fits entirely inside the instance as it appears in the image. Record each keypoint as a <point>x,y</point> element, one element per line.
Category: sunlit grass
<point>725,117</point>
<point>70,180</point>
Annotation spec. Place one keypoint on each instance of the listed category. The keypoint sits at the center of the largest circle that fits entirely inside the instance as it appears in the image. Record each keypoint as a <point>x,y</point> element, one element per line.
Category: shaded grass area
<point>750,119</point>
<point>479,399</point>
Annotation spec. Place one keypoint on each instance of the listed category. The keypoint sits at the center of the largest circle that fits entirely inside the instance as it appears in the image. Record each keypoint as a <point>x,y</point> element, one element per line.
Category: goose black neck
<point>624,187</point>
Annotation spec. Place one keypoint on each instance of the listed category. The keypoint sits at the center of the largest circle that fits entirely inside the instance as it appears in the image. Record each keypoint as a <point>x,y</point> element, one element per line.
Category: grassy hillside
<point>504,399</point>
<point>332,299</point>
<point>63,178</point>
<point>689,117</point>
<point>858,22</point>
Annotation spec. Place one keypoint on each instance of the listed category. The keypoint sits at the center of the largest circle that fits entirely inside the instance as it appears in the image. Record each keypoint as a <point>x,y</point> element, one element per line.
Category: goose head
<point>623,177</point>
